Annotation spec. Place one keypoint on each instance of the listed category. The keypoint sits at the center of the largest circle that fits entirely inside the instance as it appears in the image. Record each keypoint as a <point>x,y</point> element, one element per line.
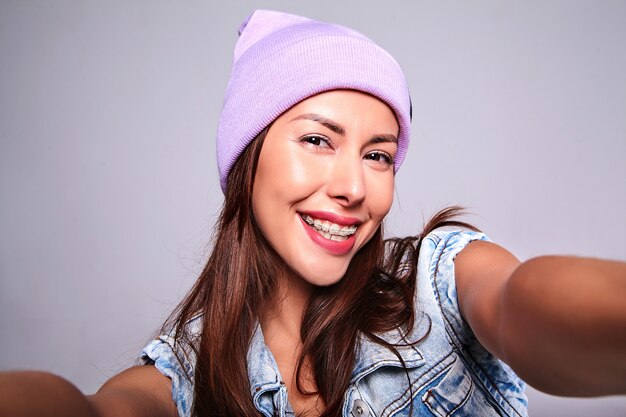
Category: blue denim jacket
<point>450,373</point>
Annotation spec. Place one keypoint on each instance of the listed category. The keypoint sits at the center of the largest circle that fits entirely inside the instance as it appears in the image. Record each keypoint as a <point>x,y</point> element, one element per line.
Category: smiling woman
<point>304,309</point>
<point>324,181</point>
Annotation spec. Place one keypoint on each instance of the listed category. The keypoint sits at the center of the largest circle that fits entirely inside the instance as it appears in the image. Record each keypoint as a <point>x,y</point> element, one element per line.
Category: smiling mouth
<point>329,230</point>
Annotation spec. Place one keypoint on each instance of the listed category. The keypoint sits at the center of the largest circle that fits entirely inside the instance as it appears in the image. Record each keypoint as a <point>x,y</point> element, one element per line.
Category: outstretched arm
<point>560,322</point>
<point>137,392</point>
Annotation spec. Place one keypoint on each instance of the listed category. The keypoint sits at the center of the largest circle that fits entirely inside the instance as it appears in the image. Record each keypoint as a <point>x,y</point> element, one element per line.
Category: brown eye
<point>316,140</point>
<point>380,157</point>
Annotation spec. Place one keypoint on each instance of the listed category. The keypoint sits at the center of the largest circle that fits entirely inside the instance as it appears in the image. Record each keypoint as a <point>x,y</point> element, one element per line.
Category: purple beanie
<point>281,59</point>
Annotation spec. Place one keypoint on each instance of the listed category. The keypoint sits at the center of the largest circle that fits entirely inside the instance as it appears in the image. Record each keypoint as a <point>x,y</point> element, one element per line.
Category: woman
<point>302,308</point>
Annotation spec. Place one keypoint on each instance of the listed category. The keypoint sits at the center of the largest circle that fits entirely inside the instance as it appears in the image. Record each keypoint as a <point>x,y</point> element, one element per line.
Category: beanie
<point>281,59</point>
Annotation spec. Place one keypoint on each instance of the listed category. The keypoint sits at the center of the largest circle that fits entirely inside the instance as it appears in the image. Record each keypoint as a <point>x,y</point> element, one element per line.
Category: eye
<point>315,141</point>
<point>380,157</point>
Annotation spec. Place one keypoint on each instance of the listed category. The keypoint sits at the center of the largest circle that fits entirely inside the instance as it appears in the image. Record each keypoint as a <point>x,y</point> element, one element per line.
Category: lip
<point>332,246</point>
<point>334,218</point>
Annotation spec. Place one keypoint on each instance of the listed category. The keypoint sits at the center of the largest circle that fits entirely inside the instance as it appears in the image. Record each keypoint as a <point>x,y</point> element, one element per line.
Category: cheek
<point>272,176</point>
<point>282,179</point>
<point>289,179</point>
<point>300,169</point>
<point>381,197</point>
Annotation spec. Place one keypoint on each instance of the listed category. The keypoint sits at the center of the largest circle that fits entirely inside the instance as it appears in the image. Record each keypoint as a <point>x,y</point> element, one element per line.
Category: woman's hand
<point>559,322</point>
<point>41,394</point>
<point>139,391</point>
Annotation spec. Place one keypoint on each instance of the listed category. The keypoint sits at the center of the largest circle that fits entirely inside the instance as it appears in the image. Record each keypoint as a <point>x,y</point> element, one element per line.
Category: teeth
<point>331,231</point>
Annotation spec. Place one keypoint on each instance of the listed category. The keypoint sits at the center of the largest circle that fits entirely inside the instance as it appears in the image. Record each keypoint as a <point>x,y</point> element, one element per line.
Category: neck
<point>283,319</point>
<point>281,326</point>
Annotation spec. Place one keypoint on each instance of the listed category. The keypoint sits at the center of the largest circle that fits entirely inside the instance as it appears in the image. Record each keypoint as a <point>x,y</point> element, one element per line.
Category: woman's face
<point>325,180</point>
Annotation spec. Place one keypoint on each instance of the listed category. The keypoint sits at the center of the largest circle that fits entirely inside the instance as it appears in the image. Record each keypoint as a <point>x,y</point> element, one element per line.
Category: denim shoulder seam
<point>472,363</point>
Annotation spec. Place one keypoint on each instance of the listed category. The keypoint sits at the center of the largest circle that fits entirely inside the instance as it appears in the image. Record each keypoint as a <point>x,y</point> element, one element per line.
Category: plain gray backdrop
<point>109,186</point>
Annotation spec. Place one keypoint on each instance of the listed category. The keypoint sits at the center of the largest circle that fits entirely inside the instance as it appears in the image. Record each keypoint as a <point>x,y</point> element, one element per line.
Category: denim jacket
<point>450,373</point>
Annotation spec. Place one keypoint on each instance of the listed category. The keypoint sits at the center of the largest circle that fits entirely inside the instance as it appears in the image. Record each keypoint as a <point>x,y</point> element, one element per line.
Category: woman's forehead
<point>340,109</point>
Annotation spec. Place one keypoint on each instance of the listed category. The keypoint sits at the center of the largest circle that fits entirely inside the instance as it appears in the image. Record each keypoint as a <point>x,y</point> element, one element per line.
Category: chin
<point>322,278</point>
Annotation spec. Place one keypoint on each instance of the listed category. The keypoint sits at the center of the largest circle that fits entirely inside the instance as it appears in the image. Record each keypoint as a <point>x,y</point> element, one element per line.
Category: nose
<point>346,182</point>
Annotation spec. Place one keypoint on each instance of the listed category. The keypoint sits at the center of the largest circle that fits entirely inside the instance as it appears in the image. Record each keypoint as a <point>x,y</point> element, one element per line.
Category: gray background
<point>108,183</point>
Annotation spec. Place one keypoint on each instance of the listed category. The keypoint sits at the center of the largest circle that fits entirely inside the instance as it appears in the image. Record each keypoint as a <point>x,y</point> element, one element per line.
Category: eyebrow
<point>384,138</point>
<point>334,126</point>
<point>337,128</point>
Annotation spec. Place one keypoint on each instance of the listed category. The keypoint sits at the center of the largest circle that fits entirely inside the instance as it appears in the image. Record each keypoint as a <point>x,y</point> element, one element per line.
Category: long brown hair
<point>375,295</point>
